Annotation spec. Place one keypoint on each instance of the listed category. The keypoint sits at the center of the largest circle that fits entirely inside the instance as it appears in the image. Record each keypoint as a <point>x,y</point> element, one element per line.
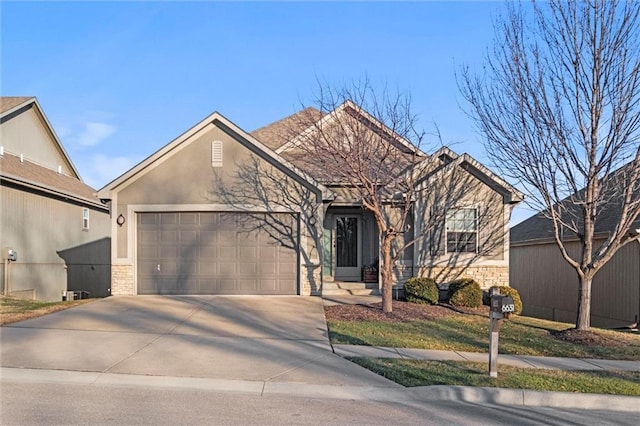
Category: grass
<point>467,332</point>
<point>426,373</point>
<point>14,310</point>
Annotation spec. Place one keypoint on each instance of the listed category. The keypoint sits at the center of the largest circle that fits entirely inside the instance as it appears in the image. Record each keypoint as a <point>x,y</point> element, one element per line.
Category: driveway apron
<point>257,338</point>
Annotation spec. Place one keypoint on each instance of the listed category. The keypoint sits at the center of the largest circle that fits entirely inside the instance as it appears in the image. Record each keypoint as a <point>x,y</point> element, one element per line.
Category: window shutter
<point>216,154</point>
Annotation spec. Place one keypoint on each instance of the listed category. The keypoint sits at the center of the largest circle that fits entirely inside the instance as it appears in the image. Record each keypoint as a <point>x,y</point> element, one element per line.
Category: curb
<point>474,395</point>
<point>527,398</point>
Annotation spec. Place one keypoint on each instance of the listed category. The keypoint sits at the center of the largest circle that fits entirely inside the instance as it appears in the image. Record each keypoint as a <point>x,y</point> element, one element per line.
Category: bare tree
<point>365,142</point>
<point>560,110</point>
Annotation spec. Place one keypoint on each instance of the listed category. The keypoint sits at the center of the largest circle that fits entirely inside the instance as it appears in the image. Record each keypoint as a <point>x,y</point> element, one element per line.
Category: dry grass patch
<point>15,310</point>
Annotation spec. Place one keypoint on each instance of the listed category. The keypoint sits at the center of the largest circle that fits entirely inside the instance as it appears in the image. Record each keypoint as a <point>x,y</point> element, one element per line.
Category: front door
<point>348,248</point>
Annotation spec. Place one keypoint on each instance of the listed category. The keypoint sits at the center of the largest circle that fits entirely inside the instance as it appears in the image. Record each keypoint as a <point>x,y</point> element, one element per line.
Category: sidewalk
<point>521,361</point>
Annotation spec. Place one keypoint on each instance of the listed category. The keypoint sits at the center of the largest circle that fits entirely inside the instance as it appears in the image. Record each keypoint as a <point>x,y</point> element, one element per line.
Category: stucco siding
<point>38,227</point>
<point>549,286</point>
<point>184,179</point>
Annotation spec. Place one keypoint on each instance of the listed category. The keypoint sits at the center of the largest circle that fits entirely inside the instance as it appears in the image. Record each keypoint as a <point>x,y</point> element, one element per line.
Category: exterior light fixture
<point>312,220</point>
<point>120,220</point>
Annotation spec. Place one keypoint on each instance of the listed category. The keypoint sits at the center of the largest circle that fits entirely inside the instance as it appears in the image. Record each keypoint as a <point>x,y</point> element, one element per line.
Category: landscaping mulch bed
<point>402,312</point>
<point>588,338</point>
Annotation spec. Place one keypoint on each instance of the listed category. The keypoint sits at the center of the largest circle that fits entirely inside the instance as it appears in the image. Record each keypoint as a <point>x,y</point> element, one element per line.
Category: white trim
<point>87,219</point>
<point>455,209</point>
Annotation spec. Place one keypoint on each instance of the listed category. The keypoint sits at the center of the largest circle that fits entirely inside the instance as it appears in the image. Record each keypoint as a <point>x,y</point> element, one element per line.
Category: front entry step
<point>343,288</point>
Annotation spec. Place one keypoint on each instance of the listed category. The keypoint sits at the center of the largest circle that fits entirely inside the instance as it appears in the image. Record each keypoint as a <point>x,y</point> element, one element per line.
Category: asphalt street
<point>72,404</point>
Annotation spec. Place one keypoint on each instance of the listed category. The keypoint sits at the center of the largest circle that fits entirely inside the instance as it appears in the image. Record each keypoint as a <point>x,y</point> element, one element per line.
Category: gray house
<point>222,211</point>
<point>54,222</point>
<point>549,286</point>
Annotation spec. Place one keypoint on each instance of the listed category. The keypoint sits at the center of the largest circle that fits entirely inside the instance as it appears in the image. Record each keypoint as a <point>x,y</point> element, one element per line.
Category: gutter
<point>53,191</point>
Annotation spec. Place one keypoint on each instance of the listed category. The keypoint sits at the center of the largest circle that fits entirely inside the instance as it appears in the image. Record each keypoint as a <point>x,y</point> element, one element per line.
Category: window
<point>462,231</point>
<point>216,154</point>
<point>85,218</point>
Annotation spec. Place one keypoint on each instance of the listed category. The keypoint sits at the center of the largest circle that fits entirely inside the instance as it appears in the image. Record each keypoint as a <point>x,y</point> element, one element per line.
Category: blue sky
<point>118,80</point>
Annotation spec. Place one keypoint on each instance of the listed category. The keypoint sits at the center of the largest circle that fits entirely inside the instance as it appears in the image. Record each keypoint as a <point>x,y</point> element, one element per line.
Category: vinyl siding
<point>37,227</point>
<point>549,286</point>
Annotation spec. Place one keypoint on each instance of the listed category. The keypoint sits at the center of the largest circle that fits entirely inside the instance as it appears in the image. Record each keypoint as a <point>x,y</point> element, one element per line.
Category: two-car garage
<point>217,253</point>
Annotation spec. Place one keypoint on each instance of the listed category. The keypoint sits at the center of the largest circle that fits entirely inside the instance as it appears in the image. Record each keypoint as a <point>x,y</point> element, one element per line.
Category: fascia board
<point>517,196</point>
<point>51,190</point>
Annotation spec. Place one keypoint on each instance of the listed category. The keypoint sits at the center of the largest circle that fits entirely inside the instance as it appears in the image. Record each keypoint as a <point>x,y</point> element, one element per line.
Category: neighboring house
<point>222,211</point>
<point>548,285</point>
<point>48,216</point>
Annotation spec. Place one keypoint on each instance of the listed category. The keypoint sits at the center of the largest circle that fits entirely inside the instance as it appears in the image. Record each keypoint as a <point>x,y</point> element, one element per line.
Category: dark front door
<point>348,248</point>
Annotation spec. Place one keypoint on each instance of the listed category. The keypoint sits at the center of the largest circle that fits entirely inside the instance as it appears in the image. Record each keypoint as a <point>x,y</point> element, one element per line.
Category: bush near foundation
<point>507,291</point>
<point>421,290</point>
<point>465,292</point>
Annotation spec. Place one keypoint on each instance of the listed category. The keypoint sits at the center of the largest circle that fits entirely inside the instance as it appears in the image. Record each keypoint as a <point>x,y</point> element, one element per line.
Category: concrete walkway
<point>522,361</point>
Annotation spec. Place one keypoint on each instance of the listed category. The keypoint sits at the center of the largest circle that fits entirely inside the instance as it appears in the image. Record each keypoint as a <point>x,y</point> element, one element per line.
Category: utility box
<point>12,255</point>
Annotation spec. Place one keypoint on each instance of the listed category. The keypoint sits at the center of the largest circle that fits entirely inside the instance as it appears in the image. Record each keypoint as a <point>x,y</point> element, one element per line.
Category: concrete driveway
<point>255,338</point>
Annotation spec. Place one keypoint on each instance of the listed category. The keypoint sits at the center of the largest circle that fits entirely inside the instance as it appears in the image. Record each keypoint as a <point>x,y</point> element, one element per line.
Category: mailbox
<point>502,304</point>
<point>12,255</point>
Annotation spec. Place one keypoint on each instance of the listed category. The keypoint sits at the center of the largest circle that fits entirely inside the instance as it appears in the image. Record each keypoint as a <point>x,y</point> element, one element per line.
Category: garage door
<point>217,253</point>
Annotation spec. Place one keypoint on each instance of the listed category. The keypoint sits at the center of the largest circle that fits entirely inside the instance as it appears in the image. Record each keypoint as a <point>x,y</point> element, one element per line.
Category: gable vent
<point>216,154</point>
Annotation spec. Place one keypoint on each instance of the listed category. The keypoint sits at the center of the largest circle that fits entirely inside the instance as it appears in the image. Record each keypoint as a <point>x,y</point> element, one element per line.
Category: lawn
<point>14,310</point>
<point>447,328</point>
<point>440,327</point>
<point>426,373</point>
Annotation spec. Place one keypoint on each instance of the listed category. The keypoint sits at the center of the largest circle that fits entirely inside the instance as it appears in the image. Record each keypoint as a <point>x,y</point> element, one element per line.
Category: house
<point>54,222</point>
<point>222,211</point>
<point>548,285</point>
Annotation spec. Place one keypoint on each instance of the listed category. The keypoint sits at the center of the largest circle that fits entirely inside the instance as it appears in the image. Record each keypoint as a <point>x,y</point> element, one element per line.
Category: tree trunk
<point>387,274</point>
<point>583,322</point>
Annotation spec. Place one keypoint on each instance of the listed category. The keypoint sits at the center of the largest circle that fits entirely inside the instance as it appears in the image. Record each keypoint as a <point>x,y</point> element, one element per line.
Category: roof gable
<point>182,141</point>
<point>27,132</point>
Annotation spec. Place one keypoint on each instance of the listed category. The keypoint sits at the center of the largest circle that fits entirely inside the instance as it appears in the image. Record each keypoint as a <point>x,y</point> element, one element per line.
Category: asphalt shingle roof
<point>540,227</point>
<point>31,173</point>
<point>10,102</point>
<point>276,134</point>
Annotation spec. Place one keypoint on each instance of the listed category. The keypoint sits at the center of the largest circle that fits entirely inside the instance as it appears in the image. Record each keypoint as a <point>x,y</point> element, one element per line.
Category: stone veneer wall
<point>122,280</point>
<point>486,276</point>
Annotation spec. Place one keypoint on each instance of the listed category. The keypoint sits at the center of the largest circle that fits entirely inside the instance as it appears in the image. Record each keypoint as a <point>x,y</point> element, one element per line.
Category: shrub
<point>465,292</point>
<point>509,291</point>
<point>421,290</point>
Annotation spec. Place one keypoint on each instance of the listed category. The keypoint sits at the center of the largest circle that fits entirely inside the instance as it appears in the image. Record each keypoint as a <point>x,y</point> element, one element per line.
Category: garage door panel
<point>148,237</point>
<point>216,253</point>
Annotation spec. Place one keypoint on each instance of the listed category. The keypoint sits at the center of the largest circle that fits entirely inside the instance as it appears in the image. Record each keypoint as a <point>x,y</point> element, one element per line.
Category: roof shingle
<point>10,102</point>
<point>31,173</point>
